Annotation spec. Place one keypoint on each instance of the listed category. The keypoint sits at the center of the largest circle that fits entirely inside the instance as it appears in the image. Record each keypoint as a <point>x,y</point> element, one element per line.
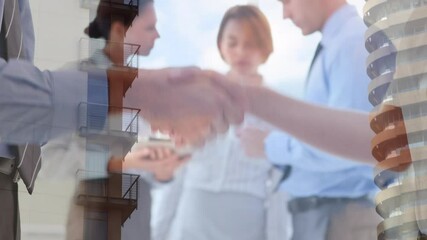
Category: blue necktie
<point>316,54</point>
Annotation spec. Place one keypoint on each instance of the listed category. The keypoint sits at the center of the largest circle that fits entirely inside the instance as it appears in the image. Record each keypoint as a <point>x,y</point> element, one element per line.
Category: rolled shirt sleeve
<point>337,80</point>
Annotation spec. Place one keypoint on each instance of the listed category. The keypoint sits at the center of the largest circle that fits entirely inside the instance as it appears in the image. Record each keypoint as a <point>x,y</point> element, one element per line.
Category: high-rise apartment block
<point>397,64</point>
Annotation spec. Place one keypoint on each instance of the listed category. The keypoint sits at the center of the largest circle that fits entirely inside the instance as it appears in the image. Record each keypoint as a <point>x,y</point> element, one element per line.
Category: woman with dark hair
<point>117,26</point>
<point>66,155</point>
<point>62,153</point>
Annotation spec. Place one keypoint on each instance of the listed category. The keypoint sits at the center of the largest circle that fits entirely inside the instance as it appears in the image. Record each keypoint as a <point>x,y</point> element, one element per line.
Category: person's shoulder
<point>351,35</point>
<point>353,27</point>
<point>348,46</point>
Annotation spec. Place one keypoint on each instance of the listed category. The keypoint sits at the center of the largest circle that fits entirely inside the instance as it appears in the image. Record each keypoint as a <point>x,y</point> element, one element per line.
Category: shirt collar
<point>335,22</point>
<point>99,58</point>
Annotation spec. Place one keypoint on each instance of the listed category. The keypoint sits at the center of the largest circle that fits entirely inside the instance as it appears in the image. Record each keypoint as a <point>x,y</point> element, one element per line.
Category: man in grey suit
<point>15,161</point>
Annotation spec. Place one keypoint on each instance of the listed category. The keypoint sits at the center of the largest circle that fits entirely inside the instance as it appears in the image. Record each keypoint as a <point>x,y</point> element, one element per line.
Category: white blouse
<point>222,165</point>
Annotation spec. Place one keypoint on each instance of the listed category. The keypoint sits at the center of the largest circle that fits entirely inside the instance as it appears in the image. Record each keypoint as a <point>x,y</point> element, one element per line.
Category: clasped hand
<point>190,104</point>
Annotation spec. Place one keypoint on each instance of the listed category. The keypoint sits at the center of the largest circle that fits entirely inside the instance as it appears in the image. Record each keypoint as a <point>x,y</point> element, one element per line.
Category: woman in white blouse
<point>222,193</point>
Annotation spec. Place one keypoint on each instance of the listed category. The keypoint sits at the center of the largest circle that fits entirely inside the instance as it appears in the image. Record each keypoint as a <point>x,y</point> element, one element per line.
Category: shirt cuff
<point>97,87</point>
<point>276,147</point>
<point>97,99</point>
<point>69,91</point>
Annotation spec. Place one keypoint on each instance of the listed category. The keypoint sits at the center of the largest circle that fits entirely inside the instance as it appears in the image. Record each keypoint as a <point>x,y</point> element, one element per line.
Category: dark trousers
<point>337,220</point>
<point>9,212</point>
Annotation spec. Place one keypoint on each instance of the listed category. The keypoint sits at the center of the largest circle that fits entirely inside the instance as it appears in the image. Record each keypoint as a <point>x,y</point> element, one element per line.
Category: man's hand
<point>161,162</point>
<point>184,102</point>
<point>252,140</point>
<point>235,91</point>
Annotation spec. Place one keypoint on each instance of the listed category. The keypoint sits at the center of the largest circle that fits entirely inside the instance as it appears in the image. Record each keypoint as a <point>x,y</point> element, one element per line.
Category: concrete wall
<point>58,26</point>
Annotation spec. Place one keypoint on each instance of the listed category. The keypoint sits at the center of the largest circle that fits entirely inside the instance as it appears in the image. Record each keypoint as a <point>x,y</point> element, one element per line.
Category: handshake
<point>189,104</point>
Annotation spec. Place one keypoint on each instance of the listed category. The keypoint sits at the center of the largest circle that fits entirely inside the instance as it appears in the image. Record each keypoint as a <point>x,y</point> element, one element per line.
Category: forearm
<point>36,106</point>
<point>342,132</point>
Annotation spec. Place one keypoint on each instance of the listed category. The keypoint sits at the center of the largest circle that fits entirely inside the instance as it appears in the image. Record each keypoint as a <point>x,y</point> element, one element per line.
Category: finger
<point>160,153</point>
<point>168,152</point>
<point>179,141</point>
<point>153,154</point>
<point>174,158</point>
<point>142,152</point>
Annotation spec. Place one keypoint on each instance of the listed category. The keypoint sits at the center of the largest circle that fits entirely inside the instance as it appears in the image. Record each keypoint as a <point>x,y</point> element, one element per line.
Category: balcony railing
<point>99,190</point>
<point>95,119</point>
<point>91,54</point>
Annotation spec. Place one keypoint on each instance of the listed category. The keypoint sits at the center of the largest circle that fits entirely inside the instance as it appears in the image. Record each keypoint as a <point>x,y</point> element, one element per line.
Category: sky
<point>188,30</point>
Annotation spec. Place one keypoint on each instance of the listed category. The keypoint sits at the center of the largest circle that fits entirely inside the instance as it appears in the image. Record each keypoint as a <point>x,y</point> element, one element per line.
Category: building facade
<point>397,42</point>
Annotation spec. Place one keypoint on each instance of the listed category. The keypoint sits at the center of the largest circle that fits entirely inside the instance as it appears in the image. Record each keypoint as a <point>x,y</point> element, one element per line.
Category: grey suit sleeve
<point>35,105</point>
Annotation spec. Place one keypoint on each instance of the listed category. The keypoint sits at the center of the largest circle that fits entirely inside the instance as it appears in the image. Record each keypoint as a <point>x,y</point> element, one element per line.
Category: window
<point>418,28</point>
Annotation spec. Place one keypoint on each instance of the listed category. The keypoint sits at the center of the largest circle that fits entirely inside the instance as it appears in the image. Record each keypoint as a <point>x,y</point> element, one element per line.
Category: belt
<point>8,167</point>
<point>297,205</point>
